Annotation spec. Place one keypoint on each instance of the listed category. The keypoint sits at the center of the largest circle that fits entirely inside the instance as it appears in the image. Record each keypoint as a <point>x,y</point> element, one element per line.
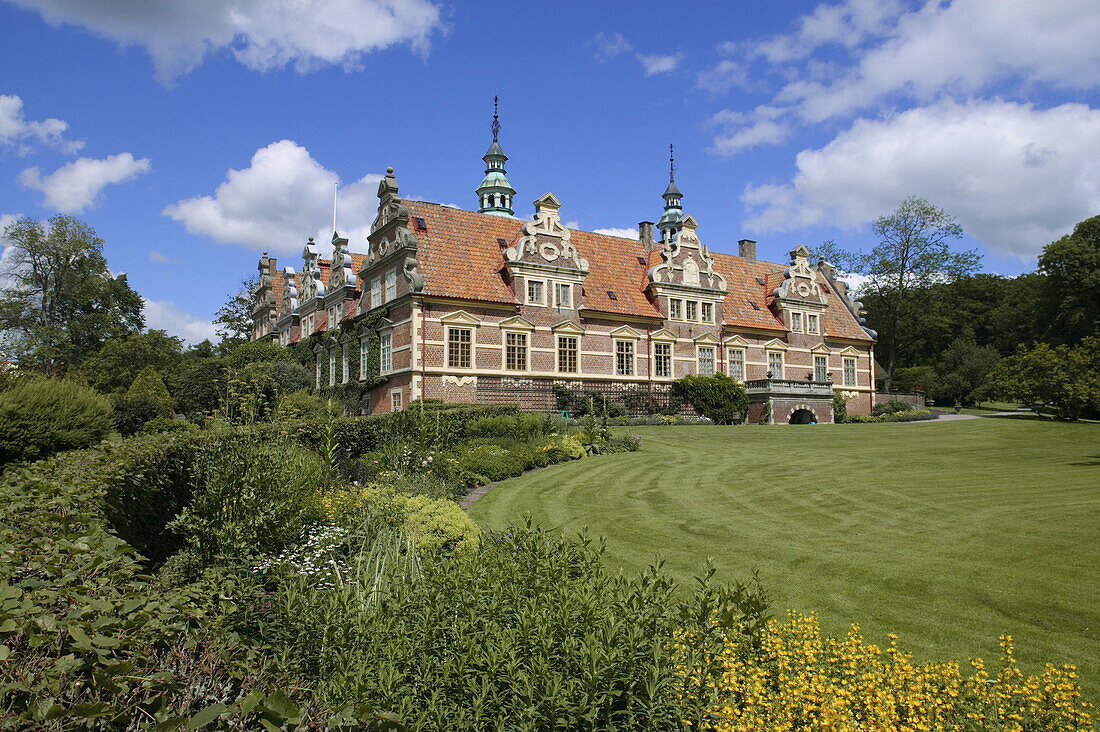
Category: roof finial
<point>496,122</point>
<point>671,164</point>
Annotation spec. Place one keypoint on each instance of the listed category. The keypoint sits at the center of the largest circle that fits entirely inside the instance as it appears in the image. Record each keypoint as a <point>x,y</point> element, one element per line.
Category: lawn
<point>947,534</point>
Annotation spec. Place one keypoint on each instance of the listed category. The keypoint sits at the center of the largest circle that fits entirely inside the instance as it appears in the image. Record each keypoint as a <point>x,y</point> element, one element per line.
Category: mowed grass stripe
<point>947,534</point>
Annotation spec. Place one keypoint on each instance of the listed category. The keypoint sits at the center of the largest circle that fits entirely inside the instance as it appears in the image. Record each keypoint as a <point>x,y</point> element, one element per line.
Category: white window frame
<point>813,321</point>
<point>675,308</point>
<point>318,374</point>
<point>706,312</point>
<point>332,367</point>
<point>821,362</point>
<point>740,363</point>
<point>659,358</point>
<point>447,344</point>
<point>855,375</point>
<point>524,349</point>
<point>782,364</point>
<point>541,299</point>
<point>796,321</point>
<point>344,362</point>
<point>576,353</point>
<point>699,360</point>
<point>397,401</point>
<point>376,292</point>
<point>563,287</point>
<point>691,310</point>
<point>385,352</point>
<point>364,349</point>
<point>391,285</point>
<point>632,357</point>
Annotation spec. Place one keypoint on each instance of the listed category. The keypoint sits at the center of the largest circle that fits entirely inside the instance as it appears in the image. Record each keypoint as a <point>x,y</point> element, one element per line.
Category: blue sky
<point>193,135</point>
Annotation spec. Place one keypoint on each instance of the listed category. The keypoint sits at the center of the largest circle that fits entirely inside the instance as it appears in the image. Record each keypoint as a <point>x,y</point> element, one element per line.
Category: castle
<point>483,307</point>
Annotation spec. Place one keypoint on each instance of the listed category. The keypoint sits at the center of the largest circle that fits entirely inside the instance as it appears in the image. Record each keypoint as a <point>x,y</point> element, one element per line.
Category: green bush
<point>718,397</point>
<point>488,463</point>
<point>301,405</point>
<point>166,424</point>
<point>130,414</point>
<point>513,426</point>
<point>840,408</point>
<point>39,417</point>
<point>254,496</point>
<point>149,386</point>
<point>891,407</point>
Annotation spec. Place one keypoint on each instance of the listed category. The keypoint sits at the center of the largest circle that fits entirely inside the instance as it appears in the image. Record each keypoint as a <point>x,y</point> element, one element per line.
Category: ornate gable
<point>312,285</point>
<point>289,305</point>
<point>800,282</point>
<point>390,234</point>
<point>546,241</point>
<point>687,262</point>
<point>340,274</point>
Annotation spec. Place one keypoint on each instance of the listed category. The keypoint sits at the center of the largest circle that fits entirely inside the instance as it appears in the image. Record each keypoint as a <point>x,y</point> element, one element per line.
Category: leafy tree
<point>148,385</point>
<point>114,367</point>
<point>234,318</point>
<point>1066,378</point>
<point>199,387</point>
<point>59,302</point>
<point>1072,269</point>
<point>907,379</point>
<point>40,416</point>
<point>716,397</point>
<point>911,255</point>
<point>963,368</point>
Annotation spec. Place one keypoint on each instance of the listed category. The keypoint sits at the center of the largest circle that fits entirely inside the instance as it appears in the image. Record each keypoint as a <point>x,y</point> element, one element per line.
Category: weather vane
<point>671,163</point>
<point>496,122</point>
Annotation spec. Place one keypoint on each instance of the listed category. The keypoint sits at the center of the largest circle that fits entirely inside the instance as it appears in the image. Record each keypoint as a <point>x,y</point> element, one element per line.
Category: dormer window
<point>796,322</point>
<point>534,292</point>
<point>811,323</point>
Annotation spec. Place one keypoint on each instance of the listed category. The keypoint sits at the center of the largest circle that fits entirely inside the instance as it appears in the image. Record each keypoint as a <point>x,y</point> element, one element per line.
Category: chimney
<point>645,234</point>
<point>746,249</point>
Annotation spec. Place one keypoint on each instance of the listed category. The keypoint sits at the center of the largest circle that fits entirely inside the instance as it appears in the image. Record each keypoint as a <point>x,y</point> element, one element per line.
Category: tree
<point>234,318</point>
<point>149,386</point>
<point>962,369</point>
<point>58,300</point>
<point>1065,378</point>
<point>1072,268</point>
<point>114,367</point>
<point>912,254</point>
<point>717,397</point>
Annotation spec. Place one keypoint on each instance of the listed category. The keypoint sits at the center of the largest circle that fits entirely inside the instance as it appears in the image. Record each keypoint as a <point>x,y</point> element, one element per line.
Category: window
<point>318,375</point>
<point>624,358</point>
<point>811,323</point>
<point>515,351</point>
<point>690,309</point>
<point>796,322</point>
<point>821,368</point>
<point>362,359</point>
<point>736,363</point>
<point>775,364</point>
<point>391,285</point>
<point>332,317</point>
<point>376,292</point>
<point>706,360</point>
<point>385,353</point>
<point>534,292</point>
<point>849,372</point>
<point>458,348</point>
<point>344,361</point>
<point>563,294</point>
<point>395,401</point>
<point>332,367</point>
<point>706,309</point>
<point>675,309</point>
<point>662,359</point>
<point>567,354</point>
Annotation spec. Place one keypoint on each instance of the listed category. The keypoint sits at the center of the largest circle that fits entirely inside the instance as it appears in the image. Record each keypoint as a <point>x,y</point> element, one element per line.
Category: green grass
<point>947,534</point>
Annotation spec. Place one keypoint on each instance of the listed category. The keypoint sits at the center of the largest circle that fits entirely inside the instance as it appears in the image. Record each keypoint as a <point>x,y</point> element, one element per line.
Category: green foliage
<point>254,496</point>
<point>1063,378</point>
<point>200,387</point>
<point>580,402</point>
<point>113,368</point>
<point>150,386</point>
<point>913,378</point>
<point>523,426</point>
<point>891,407</point>
<point>301,405</point>
<point>561,448</point>
<point>718,397</point>
<point>39,417</point>
<point>130,414</point>
<point>962,369</point>
<point>529,632</point>
<point>901,415</point>
<point>167,424</point>
<point>234,318</point>
<point>249,352</point>
<point>60,302</point>
<point>840,408</point>
<point>1072,269</point>
<point>285,376</point>
<point>488,463</point>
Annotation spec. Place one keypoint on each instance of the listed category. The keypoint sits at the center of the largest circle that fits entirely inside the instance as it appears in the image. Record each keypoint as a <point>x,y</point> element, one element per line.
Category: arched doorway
<point>803,416</point>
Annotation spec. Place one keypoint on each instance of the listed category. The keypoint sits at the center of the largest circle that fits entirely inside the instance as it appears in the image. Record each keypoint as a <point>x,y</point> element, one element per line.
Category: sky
<point>195,134</point>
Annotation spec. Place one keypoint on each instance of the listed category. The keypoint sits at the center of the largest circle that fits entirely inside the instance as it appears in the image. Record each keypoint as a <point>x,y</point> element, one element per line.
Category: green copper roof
<point>495,181</point>
<point>672,190</point>
<point>494,151</point>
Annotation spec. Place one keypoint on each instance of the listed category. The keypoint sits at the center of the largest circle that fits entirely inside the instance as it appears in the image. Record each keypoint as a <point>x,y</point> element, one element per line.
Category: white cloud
<point>614,231</point>
<point>159,258</point>
<point>746,131</point>
<point>725,74</point>
<point>261,34</point>
<point>164,315</point>
<point>847,24</point>
<point>280,199</point>
<point>7,220</point>
<point>657,64</point>
<point>609,46</point>
<point>74,187</point>
<point>17,132</point>
<point>1016,177</point>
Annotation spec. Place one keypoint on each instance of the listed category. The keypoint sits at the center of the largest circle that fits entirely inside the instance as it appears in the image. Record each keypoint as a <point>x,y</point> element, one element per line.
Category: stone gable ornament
<point>687,261</point>
<point>547,238</point>
<point>800,279</point>
<point>289,304</point>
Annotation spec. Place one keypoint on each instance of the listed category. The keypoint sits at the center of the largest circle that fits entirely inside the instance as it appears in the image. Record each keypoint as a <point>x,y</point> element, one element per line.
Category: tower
<point>495,192</point>
<point>669,223</point>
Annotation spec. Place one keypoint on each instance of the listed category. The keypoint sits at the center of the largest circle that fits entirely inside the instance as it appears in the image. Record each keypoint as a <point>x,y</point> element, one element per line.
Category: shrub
<point>560,448</point>
<point>718,397</point>
<point>254,496</point>
<point>165,424</point>
<point>149,386</point>
<point>488,464</point>
<point>439,524</point>
<point>301,405</point>
<point>513,426</point>
<point>840,408</point>
<point>891,407</point>
<point>39,417</point>
<point>130,414</point>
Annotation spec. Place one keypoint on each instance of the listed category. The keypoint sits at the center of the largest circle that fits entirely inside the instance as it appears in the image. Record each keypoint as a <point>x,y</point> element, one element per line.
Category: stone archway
<point>802,414</point>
